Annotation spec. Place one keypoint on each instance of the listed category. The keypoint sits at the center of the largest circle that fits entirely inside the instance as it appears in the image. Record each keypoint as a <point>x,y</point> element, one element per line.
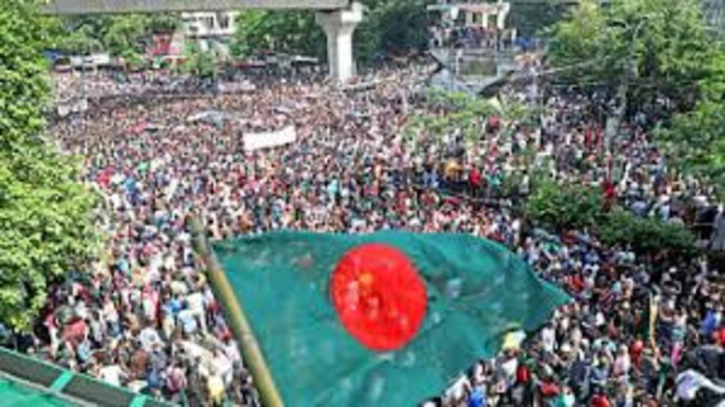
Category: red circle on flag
<point>379,296</point>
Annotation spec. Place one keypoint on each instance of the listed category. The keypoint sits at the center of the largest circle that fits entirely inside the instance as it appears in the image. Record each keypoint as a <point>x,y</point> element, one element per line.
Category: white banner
<point>64,110</point>
<point>77,106</point>
<point>234,87</point>
<point>256,141</point>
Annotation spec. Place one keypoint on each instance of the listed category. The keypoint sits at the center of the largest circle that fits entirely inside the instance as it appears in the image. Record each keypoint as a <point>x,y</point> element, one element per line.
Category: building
<point>472,25</point>
<point>714,12</point>
<point>209,24</point>
<point>211,30</point>
<point>474,14</point>
<point>338,18</point>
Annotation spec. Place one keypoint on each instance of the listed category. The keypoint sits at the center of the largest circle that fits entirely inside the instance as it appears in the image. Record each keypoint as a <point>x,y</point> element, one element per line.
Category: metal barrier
<point>79,389</point>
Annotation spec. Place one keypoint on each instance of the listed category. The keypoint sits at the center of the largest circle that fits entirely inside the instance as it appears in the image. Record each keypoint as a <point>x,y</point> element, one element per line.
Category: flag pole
<point>237,319</point>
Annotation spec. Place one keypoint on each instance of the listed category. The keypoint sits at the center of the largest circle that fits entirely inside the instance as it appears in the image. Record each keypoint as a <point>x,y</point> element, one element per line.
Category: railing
<point>68,386</point>
<point>84,7</point>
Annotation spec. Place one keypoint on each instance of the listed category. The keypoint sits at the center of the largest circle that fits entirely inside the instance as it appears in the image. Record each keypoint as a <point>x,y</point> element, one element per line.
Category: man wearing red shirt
<point>599,400</point>
<point>719,336</point>
<point>475,180</point>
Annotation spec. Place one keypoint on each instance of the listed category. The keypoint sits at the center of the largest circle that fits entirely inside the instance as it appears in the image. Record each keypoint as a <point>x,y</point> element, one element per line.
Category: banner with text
<point>257,141</point>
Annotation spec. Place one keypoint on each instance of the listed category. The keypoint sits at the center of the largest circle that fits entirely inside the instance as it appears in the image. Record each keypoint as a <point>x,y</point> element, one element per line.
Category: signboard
<point>234,87</point>
<point>73,106</point>
<point>95,60</point>
<point>257,141</point>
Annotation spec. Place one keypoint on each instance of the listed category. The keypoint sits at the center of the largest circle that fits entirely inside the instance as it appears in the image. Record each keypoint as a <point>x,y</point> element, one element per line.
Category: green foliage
<point>645,235</point>
<point>457,101</point>
<point>666,40</point>
<point>293,32</point>
<point>460,113</point>
<point>47,229</point>
<point>575,207</point>
<point>80,40</point>
<point>664,48</point>
<point>390,26</point>
<point>532,18</point>
<point>118,35</point>
<point>464,113</point>
<point>45,222</point>
<point>199,63</point>
<point>132,58</point>
<point>582,39</point>
<point>565,207</point>
<point>203,65</point>
<point>125,33</point>
<point>22,74</point>
<point>162,23</point>
<point>696,139</point>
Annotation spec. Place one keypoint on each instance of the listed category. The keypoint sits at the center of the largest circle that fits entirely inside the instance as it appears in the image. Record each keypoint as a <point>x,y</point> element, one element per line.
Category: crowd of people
<point>102,82</point>
<point>638,332</point>
<point>471,37</point>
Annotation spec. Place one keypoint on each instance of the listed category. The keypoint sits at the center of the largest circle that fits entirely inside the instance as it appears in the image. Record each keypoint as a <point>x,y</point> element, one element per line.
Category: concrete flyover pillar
<point>339,26</point>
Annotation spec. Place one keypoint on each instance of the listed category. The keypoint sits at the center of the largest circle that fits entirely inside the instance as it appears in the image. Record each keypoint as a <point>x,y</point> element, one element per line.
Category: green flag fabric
<point>383,319</point>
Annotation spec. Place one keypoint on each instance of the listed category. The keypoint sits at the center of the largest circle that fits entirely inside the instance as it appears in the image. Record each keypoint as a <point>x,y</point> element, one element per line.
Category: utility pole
<point>614,123</point>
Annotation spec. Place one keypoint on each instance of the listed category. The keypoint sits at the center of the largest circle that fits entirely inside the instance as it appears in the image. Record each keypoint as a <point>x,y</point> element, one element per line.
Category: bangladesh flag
<point>385,319</point>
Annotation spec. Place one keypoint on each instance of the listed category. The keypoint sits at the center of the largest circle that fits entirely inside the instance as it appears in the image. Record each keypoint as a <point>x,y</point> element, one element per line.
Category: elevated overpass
<point>77,7</point>
<point>338,18</point>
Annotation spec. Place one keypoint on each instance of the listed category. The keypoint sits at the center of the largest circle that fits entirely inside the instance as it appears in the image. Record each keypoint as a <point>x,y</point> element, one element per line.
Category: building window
<point>223,20</point>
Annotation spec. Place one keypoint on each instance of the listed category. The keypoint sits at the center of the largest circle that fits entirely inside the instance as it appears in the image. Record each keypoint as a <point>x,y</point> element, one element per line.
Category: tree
<point>389,26</point>
<point>25,85</point>
<point>461,113</point>
<point>201,64</point>
<point>46,228</point>
<point>80,41</point>
<point>124,34</point>
<point>162,23</point>
<point>696,139</point>
<point>582,39</point>
<point>646,235</point>
<point>118,35</point>
<point>532,18</point>
<point>564,208</point>
<point>293,32</point>
<point>659,45</point>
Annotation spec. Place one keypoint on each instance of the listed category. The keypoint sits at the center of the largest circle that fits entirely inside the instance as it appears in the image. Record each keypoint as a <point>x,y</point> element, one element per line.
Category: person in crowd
<point>145,315</point>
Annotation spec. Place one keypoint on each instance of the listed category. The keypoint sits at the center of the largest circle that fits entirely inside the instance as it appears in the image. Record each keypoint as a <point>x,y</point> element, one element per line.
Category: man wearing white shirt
<point>232,351</point>
<point>223,365</point>
<point>690,382</point>
<point>148,337</point>
<point>548,338</point>
<point>196,305</point>
<point>112,374</point>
